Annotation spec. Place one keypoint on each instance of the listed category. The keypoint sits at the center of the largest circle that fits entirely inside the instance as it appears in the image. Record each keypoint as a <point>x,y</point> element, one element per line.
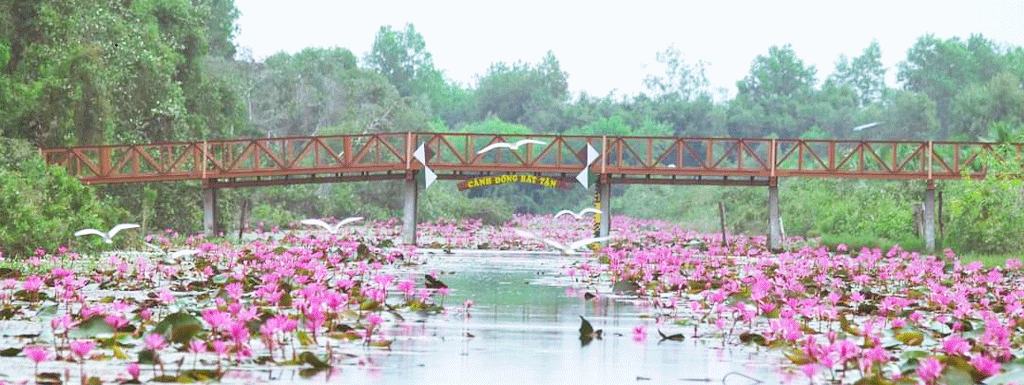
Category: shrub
<point>42,206</point>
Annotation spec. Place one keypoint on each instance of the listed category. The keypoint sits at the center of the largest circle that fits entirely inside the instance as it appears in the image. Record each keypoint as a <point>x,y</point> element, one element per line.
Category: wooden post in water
<point>605,187</point>
<point>774,219</point>
<point>929,217</point>
<point>209,212</point>
<point>409,212</point>
<point>721,217</point>
<point>241,218</point>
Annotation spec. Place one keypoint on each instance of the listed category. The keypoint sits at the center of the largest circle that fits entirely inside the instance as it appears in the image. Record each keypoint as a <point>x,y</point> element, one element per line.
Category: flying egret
<point>572,247</point>
<point>333,229</point>
<point>511,146</point>
<point>107,235</point>
<point>580,214</point>
<point>175,256</point>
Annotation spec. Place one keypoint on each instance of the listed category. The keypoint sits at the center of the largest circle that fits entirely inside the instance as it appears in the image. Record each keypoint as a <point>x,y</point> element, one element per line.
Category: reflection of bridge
<point>657,160</point>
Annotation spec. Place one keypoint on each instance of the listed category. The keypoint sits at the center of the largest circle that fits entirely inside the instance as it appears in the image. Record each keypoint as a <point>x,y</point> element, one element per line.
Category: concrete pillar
<point>605,189</point>
<point>209,212</point>
<point>774,224</point>
<point>929,217</point>
<point>409,214</point>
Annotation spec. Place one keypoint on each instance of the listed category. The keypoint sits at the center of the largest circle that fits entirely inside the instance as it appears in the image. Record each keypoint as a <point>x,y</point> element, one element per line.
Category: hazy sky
<point>611,46</point>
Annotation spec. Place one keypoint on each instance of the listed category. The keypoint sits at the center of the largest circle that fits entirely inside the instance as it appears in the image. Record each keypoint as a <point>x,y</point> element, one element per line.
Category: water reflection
<point>523,328</point>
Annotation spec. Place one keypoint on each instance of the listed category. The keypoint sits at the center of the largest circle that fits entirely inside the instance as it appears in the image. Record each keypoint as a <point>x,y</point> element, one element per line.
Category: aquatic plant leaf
<point>219,278</point>
<point>747,337</point>
<point>798,357</point>
<point>313,360</point>
<point>672,337</point>
<point>433,283</point>
<point>847,326</point>
<point>310,372</point>
<point>304,338</point>
<point>910,337</point>
<point>93,327</point>
<point>585,327</point>
<point>47,311</point>
<point>48,378</point>
<point>10,352</point>
<point>955,375</point>
<point>1014,377</point>
<point>146,357</point>
<point>118,352</point>
<point>625,287</point>
<point>874,380</point>
<point>179,327</point>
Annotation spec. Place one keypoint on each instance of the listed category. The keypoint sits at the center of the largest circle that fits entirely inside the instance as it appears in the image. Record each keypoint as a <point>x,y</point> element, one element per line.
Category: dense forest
<point>79,72</point>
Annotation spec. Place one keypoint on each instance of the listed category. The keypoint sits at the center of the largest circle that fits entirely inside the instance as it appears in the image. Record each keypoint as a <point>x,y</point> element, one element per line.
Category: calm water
<point>523,328</point>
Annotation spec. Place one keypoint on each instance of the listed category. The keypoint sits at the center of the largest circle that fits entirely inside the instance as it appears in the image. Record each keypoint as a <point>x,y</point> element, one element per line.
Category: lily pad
<point>179,327</point>
<point>93,327</point>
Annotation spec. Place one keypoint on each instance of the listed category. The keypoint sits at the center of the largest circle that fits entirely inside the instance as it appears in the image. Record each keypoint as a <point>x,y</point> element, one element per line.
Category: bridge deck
<point>668,160</point>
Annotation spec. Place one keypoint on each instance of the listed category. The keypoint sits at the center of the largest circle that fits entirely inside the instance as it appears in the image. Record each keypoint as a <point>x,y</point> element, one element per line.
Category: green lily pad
<point>313,360</point>
<point>179,327</point>
<point>93,327</point>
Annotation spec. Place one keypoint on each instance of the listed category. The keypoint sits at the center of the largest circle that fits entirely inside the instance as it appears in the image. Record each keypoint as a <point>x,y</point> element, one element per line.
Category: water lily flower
<point>133,370</point>
<point>81,348</point>
<point>639,333</point>
<point>929,369</point>
<point>154,341</point>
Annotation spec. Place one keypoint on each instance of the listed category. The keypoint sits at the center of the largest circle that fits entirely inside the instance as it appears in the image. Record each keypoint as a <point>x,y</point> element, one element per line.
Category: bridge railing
<point>457,155</point>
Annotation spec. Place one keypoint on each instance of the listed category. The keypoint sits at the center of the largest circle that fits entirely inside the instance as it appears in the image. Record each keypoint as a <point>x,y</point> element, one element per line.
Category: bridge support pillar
<point>774,222</point>
<point>409,213</point>
<point>209,212</point>
<point>605,191</point>
<point>929,217</point>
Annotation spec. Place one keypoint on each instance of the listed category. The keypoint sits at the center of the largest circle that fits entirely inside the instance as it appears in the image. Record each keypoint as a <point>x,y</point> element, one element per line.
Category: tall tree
<point>770,97</point>
<point>865,74</point>
<point>532,95</point>
<point>680,80</point>
<point>942,68</point>
<point>403,59</point>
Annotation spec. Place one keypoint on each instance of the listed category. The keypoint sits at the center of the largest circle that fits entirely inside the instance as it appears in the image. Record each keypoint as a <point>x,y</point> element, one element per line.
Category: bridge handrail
<point>454,155</point>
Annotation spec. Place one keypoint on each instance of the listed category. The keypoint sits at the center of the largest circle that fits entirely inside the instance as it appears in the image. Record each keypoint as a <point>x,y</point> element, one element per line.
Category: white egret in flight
<point>580,214</point>
<point>511,146</point>
<point>333,229</point>
<point>106,235</point>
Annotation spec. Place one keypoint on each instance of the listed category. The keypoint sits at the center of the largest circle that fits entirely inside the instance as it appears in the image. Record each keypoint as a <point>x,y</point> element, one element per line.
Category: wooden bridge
<point>621,159</point>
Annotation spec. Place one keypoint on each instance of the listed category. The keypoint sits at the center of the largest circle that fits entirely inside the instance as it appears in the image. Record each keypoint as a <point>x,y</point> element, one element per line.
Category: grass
<point>990,260</point>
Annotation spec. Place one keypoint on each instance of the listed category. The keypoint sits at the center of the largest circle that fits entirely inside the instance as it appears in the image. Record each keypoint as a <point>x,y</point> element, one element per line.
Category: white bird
<point>333,229</point>
<point>512,146</point>
<point>571,249</point>
<point>106,235</point>
<point>580,214</point>
<point>175,256</point>
<point>566,250</point>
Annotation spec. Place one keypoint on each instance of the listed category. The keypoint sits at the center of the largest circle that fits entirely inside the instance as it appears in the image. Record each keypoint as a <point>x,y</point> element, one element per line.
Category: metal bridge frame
<point>453,156</point>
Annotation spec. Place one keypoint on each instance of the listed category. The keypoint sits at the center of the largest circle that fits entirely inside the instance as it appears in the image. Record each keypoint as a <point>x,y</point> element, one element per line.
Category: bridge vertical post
<point>604,187</point>
<point>774,223</point>
<point>929,217</point>
<point>209,211</point>
<point>409,213</point>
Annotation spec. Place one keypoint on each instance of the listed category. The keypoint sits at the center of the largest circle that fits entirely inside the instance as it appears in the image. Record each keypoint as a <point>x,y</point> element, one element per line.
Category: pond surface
<point>523,328</point>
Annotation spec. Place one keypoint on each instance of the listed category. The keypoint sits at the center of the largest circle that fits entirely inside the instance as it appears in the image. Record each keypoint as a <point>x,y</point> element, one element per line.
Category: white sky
<point>609,46</point>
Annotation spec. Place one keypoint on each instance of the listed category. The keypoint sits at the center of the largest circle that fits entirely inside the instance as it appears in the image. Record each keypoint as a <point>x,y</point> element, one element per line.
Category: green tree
<point>402,57</point>
<point>533,95</point>
<point>770,97</point>
<point>942,68</point>
<point>865,74</point>
<point>980,106</point>
<point>681,80</point>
